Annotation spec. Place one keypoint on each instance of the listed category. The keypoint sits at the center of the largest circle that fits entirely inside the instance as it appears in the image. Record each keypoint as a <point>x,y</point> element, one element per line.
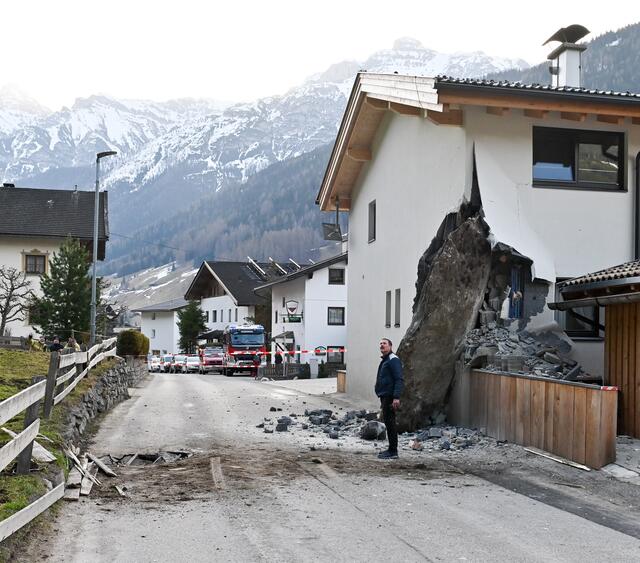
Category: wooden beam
<point>573,116</point>
<point>376,103</point>
<point>536,113</point>
<point>360,154</point>
<point>451,117</point>
<point>494,110</point>
<point>404,109</point>
<point>551,103</point>
<point>615,119</point>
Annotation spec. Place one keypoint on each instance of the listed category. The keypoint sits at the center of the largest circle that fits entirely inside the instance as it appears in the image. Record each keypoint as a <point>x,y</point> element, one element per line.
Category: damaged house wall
<point>418,175</point>
<point>416,179</point>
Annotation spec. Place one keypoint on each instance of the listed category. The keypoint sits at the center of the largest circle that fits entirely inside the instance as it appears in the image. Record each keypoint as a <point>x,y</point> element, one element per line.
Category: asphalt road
<point>249,496</point>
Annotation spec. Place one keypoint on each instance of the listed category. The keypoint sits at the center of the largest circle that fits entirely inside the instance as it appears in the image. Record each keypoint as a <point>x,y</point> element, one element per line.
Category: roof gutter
<point>525,91</point>
<point>595,301</point>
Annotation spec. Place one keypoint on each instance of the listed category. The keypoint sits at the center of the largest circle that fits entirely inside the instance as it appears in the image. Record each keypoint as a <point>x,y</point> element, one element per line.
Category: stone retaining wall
<point>110,389</point>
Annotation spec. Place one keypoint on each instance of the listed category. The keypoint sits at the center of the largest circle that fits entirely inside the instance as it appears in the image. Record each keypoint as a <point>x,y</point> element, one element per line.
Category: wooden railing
<point>65,372</point>
<point>573,420</point>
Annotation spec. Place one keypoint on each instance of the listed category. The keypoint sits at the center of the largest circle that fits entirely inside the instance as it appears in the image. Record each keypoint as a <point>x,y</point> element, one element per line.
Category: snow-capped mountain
<point>170,154</point>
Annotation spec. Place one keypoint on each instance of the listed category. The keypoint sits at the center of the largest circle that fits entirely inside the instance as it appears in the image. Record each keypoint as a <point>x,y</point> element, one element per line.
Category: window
<point>206,316</point>
<point>569,158</point>
<point>283,305</point>
<point>335,355</point>
<point>153,333</point>
<point>387,309</point>
<point>372,221</point>
<point>336,276</point>
<point>583,322</point>
<point>516,296</point>
<point>35,263</point>
<point>397,315</point>
<point>335,316</point>
<point>221,315</point>
<point>236,314</point>
<point>214,316</point>
<point>153,316</point>
<point>229,319</point>
<point>276,317</point>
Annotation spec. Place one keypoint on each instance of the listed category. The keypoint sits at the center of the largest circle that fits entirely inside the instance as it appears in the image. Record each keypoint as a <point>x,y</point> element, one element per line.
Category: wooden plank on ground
<point>72,494</point>
<point>557,458</point>
<point>538,403</point>
<point>104,468</point>
<point>87,482</point>
<point>39,453</point>
<point>74,479</point>
<point>579,425</point>
<point>24,516</point>
<point>12,449</point>
<point>593,446</point>
<point>20,401</point>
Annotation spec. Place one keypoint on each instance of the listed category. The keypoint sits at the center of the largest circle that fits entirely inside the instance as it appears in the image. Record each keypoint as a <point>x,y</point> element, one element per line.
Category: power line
<point>149,242</point>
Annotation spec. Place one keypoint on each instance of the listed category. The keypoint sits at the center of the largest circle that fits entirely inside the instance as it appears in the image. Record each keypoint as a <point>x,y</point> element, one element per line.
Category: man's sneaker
<point>387,455</point>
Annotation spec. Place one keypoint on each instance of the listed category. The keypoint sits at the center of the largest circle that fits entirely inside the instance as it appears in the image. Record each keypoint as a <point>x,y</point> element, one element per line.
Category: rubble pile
<point>364,426</point>
<point>498,348</point>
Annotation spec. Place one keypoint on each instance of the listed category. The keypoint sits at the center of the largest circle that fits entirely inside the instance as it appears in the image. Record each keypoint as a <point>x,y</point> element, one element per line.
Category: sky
<point>242,50</point>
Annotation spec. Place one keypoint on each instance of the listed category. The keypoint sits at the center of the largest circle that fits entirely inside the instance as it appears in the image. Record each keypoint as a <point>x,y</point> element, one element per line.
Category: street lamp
<point>100,155</point>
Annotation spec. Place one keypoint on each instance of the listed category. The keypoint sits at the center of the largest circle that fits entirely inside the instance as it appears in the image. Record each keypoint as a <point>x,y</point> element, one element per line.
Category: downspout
<point>637,214</point>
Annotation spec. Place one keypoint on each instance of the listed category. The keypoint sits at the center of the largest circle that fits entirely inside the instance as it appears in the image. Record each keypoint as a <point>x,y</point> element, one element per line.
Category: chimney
<point>8,185</point>
<point>566,58</point>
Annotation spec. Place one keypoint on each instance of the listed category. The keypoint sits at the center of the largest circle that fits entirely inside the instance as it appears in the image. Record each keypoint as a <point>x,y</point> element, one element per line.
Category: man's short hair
<point>388,340</point>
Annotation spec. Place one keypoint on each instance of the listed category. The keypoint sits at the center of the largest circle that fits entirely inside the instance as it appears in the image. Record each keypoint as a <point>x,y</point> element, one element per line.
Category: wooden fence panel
<point>24,516</point>
<point>20,401</point>
<point>573,420</point>
<point>66,360</point>
<point>12,449</point>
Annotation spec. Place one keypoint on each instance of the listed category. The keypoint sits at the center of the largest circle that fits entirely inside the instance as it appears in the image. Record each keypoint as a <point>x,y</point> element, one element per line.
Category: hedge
<point>132,343</point>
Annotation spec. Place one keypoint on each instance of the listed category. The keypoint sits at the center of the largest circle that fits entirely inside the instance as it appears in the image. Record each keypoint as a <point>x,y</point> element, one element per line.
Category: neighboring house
<point>225,292</point>
<point>159,323</point>
<point>556,170</point>
<point>309,311</point>
<point>34,223</point>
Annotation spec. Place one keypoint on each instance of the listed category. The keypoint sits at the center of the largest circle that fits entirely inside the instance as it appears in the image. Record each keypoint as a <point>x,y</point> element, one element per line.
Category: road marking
<point>216,473</point>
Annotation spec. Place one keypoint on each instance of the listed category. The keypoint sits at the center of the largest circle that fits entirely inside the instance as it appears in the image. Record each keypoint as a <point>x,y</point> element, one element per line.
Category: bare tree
<point>15,291</point>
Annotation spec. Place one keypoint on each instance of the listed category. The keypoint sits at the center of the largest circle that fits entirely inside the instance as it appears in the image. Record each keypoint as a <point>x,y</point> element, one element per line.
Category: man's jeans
<point>389,419</point>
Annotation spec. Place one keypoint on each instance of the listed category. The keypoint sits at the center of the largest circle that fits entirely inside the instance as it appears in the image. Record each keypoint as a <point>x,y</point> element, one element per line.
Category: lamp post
<point>96,215</point>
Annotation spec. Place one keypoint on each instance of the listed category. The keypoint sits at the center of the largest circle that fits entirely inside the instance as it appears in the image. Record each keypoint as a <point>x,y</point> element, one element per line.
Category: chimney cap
<point>569,34</point>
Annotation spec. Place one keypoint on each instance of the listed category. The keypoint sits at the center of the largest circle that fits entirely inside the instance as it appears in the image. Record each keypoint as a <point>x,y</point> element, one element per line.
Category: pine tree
<point>65,304</point>
<point>191,322</point>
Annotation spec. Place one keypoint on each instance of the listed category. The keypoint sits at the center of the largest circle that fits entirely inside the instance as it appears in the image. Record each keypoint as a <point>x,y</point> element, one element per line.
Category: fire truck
<point>243,346</point>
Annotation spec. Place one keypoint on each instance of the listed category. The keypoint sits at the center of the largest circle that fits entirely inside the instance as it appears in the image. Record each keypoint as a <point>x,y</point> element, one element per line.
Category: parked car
<point>177,363</point>
<point>165,363</point>
<point>191,364</point>
<point>154,363</point>
<point>211,360</point>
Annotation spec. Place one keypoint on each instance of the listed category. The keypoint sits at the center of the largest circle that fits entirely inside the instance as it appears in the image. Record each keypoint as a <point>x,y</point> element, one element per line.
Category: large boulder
<point>373,430</point>
<point>452,280</point>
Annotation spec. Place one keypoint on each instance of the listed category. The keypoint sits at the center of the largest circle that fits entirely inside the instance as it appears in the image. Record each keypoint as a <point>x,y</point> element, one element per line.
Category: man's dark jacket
<point>389,382</point>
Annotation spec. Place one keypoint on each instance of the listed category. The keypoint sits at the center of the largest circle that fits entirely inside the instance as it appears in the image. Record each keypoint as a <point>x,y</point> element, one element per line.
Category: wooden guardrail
<point>53,389</point>
<point>573,420</point>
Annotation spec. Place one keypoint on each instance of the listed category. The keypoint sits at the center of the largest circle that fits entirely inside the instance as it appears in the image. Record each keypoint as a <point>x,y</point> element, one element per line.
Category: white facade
<point>13,251</point>
<point>420,171</point>
<point>161,328</point>
<point>222,311</point>
<point>308,298</point>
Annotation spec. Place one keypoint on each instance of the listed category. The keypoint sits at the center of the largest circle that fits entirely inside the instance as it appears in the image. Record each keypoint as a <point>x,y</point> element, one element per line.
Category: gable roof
<point>626,273</point>
<point>172,305</point>
<point>306,270</point>
<point>238,278</point>
<point>374,94</point>
<point>51,213</point>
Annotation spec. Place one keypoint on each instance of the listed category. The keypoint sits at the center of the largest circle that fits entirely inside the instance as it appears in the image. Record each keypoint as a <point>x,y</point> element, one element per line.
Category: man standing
<point>389,384</point>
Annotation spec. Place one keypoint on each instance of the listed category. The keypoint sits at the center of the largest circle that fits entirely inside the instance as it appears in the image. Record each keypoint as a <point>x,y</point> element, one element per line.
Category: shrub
<point>130,343</point>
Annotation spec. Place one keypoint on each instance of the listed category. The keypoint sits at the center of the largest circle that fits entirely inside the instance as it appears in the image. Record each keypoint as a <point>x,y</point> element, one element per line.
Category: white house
<point>556,168</point>
<point>159,323</point>
<point>309,311</point>
<point>225,292</point>
<point>34,223</point>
